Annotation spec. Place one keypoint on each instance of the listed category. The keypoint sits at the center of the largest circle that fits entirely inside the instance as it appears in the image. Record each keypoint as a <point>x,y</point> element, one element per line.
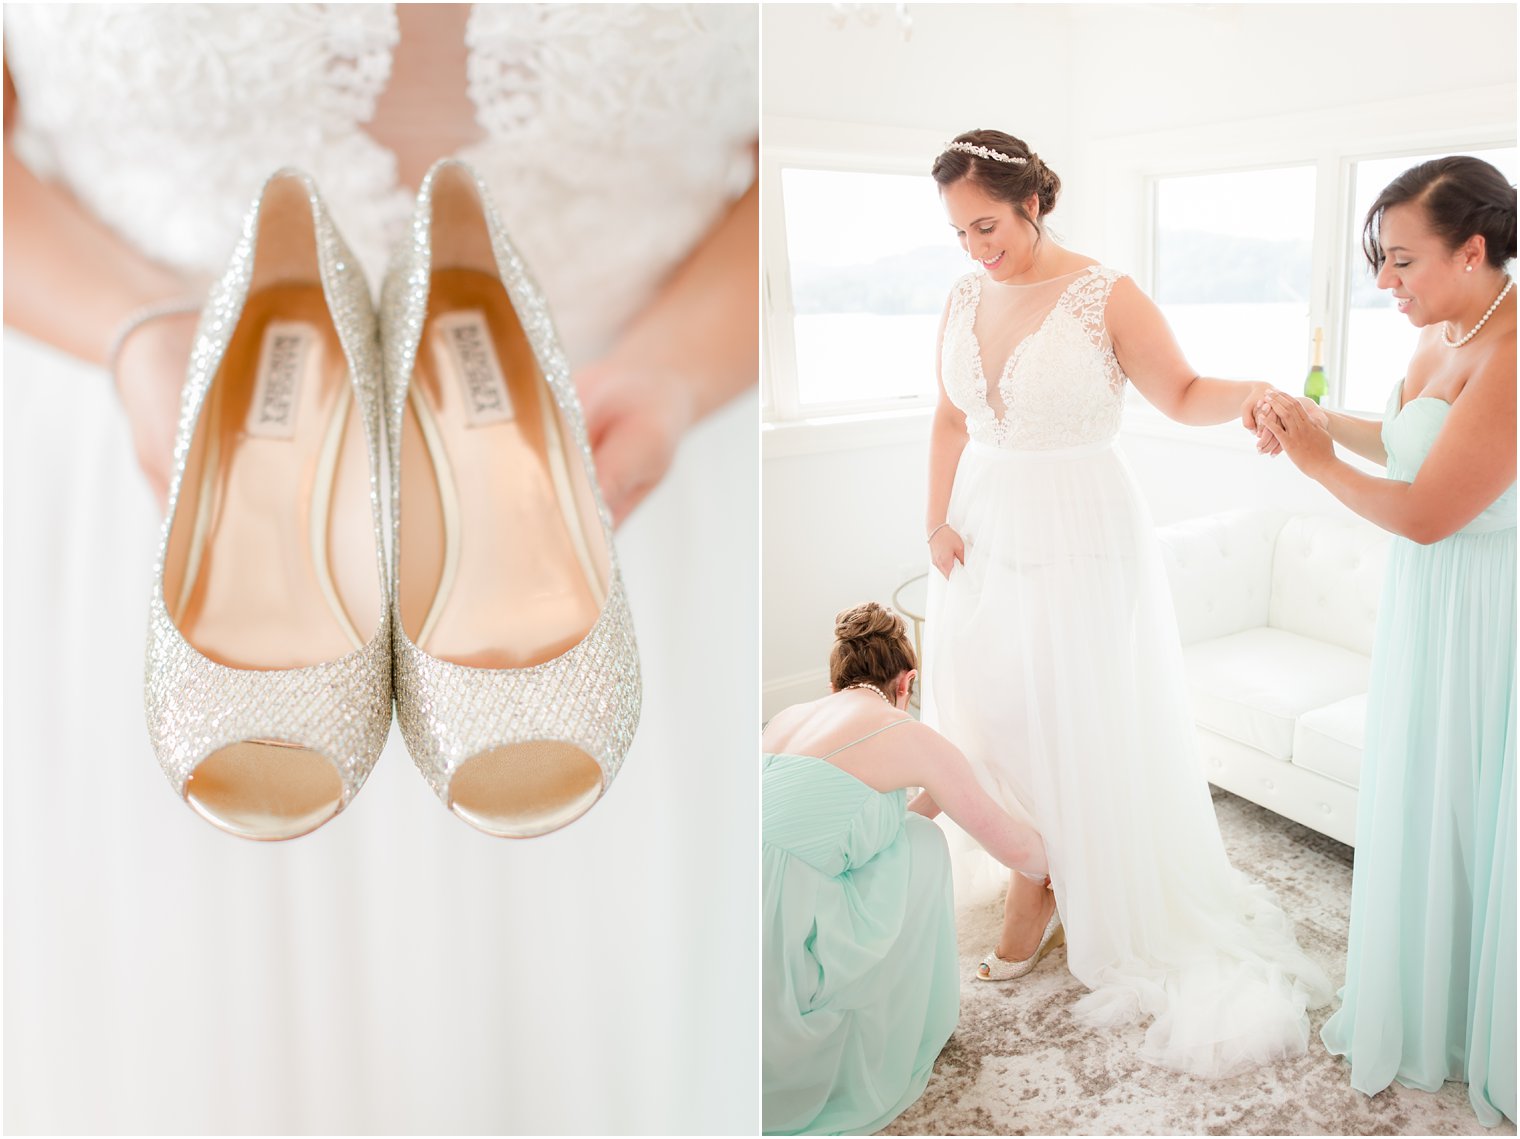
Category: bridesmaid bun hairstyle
<point>1462,196</point>
<point>871,646</point>
<point>1010,182</point>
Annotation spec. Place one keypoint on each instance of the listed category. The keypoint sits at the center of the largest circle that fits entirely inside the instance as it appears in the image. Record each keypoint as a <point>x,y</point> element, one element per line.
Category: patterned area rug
<point>1019,1064</point>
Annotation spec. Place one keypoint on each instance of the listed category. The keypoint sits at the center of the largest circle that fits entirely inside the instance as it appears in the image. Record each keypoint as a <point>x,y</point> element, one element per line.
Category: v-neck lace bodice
<point>1061,386</point>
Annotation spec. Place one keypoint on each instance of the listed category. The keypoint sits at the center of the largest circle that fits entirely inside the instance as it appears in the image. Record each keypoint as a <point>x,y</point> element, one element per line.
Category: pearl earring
<point>1469,268</point>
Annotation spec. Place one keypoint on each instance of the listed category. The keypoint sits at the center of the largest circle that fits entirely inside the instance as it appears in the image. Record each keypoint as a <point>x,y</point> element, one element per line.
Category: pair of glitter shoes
<point>282,620</point>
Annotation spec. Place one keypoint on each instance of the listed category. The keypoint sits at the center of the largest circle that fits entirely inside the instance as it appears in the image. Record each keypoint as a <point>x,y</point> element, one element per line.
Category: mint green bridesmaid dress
<point>860,983</point>
<point>1430,969</point>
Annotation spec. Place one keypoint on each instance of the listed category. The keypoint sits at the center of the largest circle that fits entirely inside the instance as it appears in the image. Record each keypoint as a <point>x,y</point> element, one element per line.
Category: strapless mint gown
<point>860,985</point>
<point>1430,969</point>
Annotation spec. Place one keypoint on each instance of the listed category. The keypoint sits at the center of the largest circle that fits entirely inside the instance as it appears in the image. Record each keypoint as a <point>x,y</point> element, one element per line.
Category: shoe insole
<point>281,568</point>
<point>495,570</point>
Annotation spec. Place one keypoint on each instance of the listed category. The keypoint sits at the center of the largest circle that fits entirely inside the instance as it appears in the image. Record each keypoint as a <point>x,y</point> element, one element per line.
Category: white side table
<point>911,599</point>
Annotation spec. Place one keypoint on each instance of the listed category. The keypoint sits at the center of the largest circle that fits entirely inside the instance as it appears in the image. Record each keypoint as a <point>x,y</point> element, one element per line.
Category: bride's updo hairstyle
<point>870,646</point>
<point>1009,182</point>
<point>1461,196</point>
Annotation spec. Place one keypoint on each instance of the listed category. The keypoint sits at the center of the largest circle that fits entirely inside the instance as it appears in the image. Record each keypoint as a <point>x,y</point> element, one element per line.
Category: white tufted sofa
<point>1277,615</point>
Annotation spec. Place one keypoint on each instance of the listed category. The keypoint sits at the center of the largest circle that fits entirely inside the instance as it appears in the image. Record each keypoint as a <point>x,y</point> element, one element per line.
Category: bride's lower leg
<point>1026,910</point>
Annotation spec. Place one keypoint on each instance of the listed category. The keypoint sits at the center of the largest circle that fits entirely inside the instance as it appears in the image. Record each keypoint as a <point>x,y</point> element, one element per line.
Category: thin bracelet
<point>935,531</point>
<point>140,317</point>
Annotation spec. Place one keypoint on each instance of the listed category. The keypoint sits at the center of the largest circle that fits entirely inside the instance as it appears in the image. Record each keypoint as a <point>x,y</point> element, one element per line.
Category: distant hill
<point>913,282</point>
<point>1195,267</point>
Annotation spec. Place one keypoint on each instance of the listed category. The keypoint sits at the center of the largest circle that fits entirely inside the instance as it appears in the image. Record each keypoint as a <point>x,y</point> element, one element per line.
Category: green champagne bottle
<point>1315,386</point>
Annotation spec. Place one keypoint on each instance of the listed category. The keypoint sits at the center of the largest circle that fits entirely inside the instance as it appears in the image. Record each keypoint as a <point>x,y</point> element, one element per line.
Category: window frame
<point>1386,129</point>
<point>881,151</point>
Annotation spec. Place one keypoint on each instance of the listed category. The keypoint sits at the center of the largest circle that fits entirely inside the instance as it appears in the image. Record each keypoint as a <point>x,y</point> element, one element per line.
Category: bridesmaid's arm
<point>1151,358</point>
<point>1470,465</point>
<point>920,756</point>
<point>1364,436</point>
<point>924,804</point>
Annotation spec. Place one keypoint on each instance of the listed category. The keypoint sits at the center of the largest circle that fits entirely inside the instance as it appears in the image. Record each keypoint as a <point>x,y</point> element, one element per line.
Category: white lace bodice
<point>1062,385</point>
<point>615,135</point>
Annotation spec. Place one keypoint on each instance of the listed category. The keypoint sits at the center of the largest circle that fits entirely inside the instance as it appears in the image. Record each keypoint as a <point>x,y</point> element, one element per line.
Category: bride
<point>1052,650</point>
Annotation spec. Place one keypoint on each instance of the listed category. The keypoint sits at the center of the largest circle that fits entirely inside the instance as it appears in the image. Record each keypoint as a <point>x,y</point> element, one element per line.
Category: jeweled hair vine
<point>986,152</point>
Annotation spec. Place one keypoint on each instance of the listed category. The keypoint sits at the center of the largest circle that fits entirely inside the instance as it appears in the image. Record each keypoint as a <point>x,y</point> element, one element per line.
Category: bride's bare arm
<point>1151,358</point>
<point>947,439</point>
<point>69,280</point>
<point>691,350</point>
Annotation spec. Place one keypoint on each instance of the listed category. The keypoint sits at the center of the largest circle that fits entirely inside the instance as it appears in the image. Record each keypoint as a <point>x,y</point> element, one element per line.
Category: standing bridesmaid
<point>1430,971</point>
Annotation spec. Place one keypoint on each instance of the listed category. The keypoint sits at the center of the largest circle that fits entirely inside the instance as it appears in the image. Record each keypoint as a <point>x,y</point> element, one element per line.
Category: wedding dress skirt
<point>1052,660</point>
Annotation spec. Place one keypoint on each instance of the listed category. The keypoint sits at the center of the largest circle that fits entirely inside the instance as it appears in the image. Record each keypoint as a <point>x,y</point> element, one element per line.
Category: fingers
<point>627,466</point>
<point>1287,409</point>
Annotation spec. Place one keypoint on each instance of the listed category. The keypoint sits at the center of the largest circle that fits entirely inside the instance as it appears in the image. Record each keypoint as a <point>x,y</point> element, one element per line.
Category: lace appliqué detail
<point>616,135</point>
<point>164,120</point>
<point>1061,387</point>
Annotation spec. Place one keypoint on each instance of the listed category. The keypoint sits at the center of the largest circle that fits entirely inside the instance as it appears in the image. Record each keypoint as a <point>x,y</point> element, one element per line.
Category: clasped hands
<point>1295,425</point>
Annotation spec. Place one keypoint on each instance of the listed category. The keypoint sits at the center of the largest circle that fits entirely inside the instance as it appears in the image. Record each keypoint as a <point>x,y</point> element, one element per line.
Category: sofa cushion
<point>1329,740</point>
<point>1252,687</point>
<point>1327,576</point>
<point>1220,571</point>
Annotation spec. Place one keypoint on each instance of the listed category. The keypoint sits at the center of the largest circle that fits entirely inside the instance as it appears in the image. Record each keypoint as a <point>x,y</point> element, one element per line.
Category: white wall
<point>843,503</point>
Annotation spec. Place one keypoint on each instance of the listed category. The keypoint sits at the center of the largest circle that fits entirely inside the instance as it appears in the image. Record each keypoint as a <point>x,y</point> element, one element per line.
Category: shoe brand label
<point>464,340</point>
<point>283,357</point>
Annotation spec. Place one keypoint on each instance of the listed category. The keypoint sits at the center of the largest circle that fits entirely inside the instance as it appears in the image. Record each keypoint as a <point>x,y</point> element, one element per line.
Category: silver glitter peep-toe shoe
<point>269,650</point>
<point>517,674</point>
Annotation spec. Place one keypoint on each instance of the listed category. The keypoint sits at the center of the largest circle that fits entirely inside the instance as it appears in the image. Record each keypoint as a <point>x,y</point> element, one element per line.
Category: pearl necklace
<point>1446,336</point>
<point>872,687</point>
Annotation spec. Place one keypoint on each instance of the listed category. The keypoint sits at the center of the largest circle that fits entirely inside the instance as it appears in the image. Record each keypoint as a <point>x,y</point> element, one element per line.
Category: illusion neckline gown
<point>1052,660</point>
<point>1430,960</point>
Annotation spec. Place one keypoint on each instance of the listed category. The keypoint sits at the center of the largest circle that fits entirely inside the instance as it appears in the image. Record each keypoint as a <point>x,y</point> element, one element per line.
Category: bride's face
<point>992,232</point>
<point>1426,278</point>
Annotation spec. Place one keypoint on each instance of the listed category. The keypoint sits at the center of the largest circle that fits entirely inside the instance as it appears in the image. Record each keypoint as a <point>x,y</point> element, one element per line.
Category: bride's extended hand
<point>150,375</point>
<point>1250,418</point>
<point>1302,433</point>
<point>945,549</point>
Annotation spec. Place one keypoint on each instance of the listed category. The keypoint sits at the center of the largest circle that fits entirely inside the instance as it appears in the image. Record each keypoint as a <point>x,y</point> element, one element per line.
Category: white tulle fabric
<point>1052,659</point>
<point>396,971</point>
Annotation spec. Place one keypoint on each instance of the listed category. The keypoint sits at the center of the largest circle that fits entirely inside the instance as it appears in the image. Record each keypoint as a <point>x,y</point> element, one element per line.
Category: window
<point>1379,341</point>
<point>868,262</point>
<point>1232,270</point>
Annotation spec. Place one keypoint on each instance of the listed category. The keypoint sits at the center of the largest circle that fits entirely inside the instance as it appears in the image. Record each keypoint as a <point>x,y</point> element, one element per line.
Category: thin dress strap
<point>868,735</point>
